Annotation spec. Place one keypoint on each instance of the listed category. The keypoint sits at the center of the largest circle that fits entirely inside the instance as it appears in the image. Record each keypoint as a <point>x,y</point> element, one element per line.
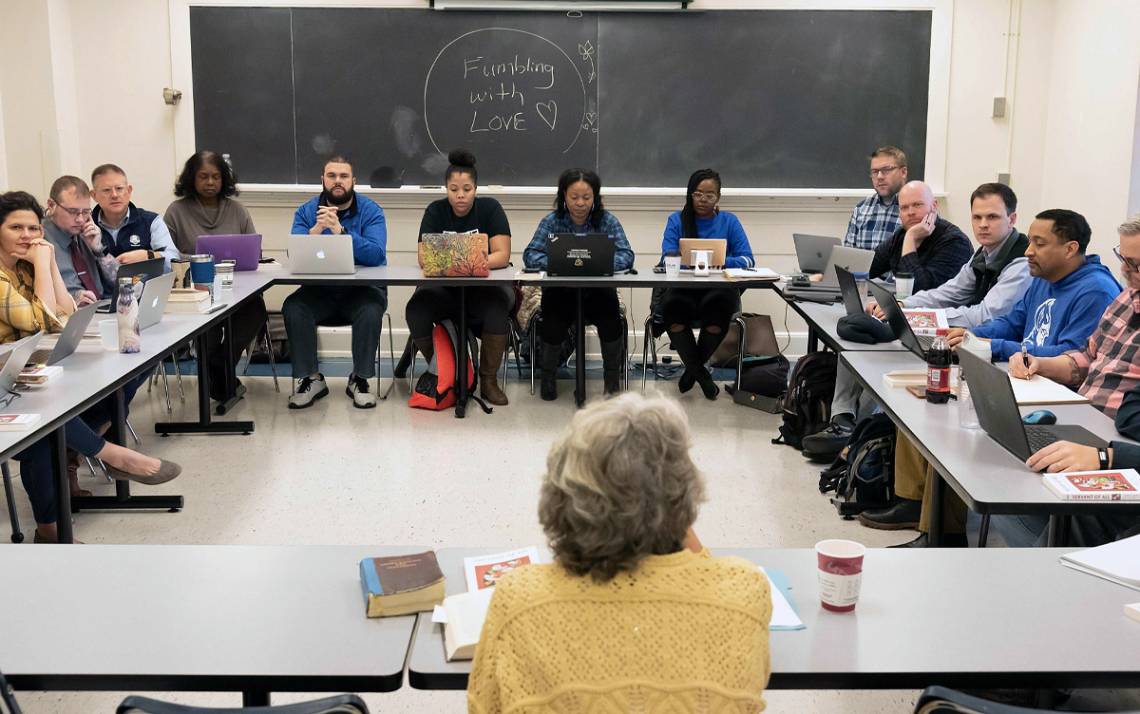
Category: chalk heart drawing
<point>547,112</point>
<point>591,117</point>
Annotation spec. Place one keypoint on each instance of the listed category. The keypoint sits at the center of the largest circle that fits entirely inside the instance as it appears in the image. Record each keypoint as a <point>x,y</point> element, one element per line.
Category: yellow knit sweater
<point>685,632</point>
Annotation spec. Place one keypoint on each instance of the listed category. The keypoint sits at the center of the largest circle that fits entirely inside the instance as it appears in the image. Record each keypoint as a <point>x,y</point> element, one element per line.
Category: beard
<point>328,199</point>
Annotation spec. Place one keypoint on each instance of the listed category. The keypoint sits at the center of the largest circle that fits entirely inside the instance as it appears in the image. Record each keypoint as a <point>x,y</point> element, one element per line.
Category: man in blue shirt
<point>338,211</point>
<point>876,217</point>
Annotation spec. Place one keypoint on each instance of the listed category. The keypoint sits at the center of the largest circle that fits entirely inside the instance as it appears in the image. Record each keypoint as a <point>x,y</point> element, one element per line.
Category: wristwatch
<point>1102,454</point>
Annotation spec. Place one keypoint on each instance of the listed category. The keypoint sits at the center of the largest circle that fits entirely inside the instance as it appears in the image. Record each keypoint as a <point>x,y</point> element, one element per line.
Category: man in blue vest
<point>130,234</point>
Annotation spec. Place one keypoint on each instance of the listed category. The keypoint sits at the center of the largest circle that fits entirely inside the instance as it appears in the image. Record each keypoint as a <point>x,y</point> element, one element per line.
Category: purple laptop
<point>243,249</point>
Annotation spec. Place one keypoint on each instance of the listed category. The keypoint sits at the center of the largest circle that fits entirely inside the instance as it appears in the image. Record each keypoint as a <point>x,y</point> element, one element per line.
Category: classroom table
<point>986,476</point>
<point>977,618</point>
<point>822,319</point>
<point>253,619</point>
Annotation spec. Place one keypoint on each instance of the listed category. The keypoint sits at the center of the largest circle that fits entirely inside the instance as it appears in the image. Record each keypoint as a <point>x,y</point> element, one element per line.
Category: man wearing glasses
<point>876,217</point>
<point>130,234</point>
<point>78,241</point>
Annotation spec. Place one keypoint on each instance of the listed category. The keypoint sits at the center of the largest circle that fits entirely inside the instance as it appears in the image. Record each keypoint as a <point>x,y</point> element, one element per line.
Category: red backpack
<point>436,388</point>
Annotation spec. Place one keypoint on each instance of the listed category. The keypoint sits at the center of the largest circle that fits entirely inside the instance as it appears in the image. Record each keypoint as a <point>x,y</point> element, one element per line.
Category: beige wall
<point>1069,69</point>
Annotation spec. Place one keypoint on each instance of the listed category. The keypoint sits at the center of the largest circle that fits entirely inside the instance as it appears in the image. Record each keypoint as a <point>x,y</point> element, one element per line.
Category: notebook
<point>1118,561</point>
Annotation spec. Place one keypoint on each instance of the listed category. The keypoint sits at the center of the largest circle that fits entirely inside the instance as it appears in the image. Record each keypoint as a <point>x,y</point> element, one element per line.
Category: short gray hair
<point>620,486</point>
<point>1131,227</point>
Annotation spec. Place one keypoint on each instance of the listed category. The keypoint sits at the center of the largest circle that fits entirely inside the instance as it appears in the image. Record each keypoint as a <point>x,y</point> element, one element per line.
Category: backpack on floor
<point>807,405</point>
<point>863,475</point>
<point>436,388</point>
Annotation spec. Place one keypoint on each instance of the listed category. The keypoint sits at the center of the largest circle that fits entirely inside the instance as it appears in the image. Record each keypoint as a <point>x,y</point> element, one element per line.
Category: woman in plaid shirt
<point>34,298</point>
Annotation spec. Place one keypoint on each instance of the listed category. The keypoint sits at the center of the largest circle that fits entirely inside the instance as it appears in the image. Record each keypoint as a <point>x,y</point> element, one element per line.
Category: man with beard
<point>338,210</point>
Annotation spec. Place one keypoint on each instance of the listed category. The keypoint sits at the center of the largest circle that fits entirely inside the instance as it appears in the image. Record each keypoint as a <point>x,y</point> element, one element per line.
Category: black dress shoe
<point>902,514</point>
<point>832,439</point>
<point>949,540</point>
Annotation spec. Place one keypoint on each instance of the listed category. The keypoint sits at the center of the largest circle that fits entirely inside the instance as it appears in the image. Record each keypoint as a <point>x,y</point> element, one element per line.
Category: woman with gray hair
<point>633,615</point>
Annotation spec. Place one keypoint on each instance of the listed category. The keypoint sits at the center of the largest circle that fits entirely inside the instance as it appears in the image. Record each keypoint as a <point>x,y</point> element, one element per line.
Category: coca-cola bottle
<point>938,371</point>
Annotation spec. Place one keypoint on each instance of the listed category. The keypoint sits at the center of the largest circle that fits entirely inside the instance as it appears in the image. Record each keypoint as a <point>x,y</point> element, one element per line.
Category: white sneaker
<point>308,391</point>
<point>358,389</point>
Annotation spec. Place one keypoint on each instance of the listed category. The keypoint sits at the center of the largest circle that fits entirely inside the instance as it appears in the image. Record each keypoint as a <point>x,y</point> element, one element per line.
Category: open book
<point>1118,562</point>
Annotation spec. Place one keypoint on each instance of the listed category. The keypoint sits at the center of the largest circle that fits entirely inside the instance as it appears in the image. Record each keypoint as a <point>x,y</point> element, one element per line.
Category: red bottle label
<point>938,379</point>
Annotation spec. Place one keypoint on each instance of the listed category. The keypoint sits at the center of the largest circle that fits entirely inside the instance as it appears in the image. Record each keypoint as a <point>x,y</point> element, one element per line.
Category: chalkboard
<point>770,98</point>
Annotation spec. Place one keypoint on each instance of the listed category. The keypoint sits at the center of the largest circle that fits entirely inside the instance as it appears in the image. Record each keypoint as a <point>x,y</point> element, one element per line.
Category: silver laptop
<point>321,255</point>
<point>812,252</point>
<point>152,304</point>
<point>853,260</point>
<point>15,359</point>
<point>67,340</point>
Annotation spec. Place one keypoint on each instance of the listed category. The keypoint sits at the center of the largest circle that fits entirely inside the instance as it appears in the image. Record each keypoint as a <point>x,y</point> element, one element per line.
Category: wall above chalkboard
<point>770,98</point>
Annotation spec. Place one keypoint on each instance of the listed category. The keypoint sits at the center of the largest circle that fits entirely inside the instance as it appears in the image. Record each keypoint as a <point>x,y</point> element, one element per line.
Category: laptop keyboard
<point>925,342</point>
<point>1039,437</point>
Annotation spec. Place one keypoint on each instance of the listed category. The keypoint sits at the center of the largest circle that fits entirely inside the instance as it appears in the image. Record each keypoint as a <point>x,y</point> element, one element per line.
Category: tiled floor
<point>335,475</point>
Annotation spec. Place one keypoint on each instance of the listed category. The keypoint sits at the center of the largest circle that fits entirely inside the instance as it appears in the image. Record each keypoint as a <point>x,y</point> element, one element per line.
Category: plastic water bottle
<point>967,414</point>
<point>127,316</point>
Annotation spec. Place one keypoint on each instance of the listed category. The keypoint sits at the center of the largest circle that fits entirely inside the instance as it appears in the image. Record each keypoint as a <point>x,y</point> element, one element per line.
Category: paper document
<point>1118,561</point>
<point>486,570</point>
<point>784,616</point>
<point>750,274</point>
<point>520,275</point>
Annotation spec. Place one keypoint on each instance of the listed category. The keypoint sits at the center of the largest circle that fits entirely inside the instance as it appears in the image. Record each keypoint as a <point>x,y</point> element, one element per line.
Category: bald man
<point>927,246</point>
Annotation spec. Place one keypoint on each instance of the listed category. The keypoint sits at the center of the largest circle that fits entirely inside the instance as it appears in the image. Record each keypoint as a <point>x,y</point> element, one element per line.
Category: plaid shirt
<point>1109,365</point>
<point>21,312</point>
<point>872,222</point>
<point>534,256</point>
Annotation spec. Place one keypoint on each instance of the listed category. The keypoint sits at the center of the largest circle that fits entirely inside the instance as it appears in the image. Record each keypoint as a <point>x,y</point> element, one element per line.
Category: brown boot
<point>491,352</point>
<point>73,474</point>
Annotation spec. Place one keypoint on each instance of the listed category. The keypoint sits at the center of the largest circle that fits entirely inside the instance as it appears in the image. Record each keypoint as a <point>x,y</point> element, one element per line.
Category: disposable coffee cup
<point>109,334</point>
<point>840,565</point>
<point>672,267</point>
<point>904,285</point>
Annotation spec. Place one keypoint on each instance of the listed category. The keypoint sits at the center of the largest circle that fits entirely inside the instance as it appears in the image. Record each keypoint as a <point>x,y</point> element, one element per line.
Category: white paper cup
<point>109,334</point>
<point>904,286</point>
<point>672,267</point>
<point>840,565</point>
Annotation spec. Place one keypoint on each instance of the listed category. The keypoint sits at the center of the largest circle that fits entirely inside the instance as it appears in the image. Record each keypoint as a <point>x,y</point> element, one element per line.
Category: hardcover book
<point>401,584</point>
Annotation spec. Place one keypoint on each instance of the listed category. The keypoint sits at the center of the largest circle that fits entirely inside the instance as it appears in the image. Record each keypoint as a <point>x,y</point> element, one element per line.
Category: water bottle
<point>967,414</point>
<point>938,360</point>
<point>127,315</point>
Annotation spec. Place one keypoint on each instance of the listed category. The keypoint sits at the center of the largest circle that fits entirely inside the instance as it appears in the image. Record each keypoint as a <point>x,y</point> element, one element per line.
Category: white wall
<point>1068,68</point>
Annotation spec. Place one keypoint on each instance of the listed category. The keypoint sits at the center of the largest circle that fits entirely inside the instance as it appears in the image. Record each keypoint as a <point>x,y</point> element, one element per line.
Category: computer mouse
<point>1041,417</point>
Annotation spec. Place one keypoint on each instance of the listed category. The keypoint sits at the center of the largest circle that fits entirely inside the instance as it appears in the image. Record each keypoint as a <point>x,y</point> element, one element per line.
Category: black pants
<point>714,306</point>
<point>361,306</point>
<point>246,322</point>
<point>487,305</point>
<point>599,308</point>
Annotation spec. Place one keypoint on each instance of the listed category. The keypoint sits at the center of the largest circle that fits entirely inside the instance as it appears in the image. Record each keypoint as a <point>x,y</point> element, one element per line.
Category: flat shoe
<point>37,538</point>
<point>167,471</point>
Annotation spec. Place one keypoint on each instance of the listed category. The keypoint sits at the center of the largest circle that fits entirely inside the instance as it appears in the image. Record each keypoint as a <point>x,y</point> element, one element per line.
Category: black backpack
<point>807,405</point>
<point>863,475</point>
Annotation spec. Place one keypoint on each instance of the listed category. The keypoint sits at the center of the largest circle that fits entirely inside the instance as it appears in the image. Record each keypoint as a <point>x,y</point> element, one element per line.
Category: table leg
<point>812,339</point>
<point>123,500</point>
<point>204,425</point>
<point>461,357</point>
<point>254,698</point>
<point>937,496</point>
<point>231,378</point>
<point>580,352</point>
<point>58,445</point>
<point>1058,531</point>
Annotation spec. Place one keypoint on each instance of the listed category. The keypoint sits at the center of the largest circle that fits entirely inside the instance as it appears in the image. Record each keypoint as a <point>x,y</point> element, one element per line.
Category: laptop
<point>718,246</point>
<point>849,289</point>
<point>896,318</point>
<point>15,359</point>
<point>244,249</point>
<point>143,270</point>
<point>993,398</point>
<point>68,339</point>
<point>812,252</point>
<point>152,303</point>
<point>853,260</point>
<point>321,255</point>
<point>587,256</point>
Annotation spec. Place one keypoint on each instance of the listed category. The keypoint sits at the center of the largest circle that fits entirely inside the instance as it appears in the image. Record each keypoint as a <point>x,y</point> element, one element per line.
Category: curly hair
<point>185,184</point>
<point>620,486</point>
<point>13,201</point>
<point>570,177</point>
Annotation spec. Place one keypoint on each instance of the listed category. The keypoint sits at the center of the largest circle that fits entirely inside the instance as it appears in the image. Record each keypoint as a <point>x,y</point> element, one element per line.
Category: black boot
<point>706,345</point>
<point>425,346</point>
<point>685,346</point>
<point>548,387</point>
<point>612,366</point>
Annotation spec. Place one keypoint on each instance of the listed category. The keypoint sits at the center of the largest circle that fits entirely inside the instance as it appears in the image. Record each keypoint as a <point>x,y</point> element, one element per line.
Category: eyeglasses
<point>705,195</point>
<point>112,190</point>
<point>76,212</point>
<point>1131,263</point>
<point>883,171</point>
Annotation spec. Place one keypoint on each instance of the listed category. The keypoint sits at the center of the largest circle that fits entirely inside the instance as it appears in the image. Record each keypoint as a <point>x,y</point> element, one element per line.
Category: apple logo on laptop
<point>320,255</point>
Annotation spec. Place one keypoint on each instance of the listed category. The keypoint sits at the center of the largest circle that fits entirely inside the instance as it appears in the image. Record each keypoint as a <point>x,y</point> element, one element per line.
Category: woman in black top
<point>489,307</point>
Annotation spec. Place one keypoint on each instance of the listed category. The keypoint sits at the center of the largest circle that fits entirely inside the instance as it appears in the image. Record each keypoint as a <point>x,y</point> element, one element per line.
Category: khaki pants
<point>913,475</point>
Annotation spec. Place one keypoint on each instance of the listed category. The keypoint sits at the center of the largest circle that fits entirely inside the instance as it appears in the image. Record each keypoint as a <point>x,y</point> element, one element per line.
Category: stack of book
<point>187,300</point>
<point>401,584</point>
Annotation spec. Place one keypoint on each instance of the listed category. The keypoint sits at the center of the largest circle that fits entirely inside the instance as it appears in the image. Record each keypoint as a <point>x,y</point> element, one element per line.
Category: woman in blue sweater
<point>578,209</point>
<point>710,308</point>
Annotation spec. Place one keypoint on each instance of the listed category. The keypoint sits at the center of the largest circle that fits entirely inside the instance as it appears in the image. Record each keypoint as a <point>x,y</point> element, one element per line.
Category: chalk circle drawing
<point>501,85</point>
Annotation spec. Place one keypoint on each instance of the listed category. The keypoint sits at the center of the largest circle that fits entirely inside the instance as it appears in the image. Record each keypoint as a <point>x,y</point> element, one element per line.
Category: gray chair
<point>340,704</point>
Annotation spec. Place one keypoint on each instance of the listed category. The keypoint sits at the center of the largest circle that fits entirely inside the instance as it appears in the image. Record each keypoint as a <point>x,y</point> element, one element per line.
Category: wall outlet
<point>999,107</point>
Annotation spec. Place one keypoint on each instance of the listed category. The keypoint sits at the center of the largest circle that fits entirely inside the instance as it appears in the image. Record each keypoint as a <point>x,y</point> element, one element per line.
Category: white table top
<point>985,475</point>
<point>280,618</point>
<point>958,617</point>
